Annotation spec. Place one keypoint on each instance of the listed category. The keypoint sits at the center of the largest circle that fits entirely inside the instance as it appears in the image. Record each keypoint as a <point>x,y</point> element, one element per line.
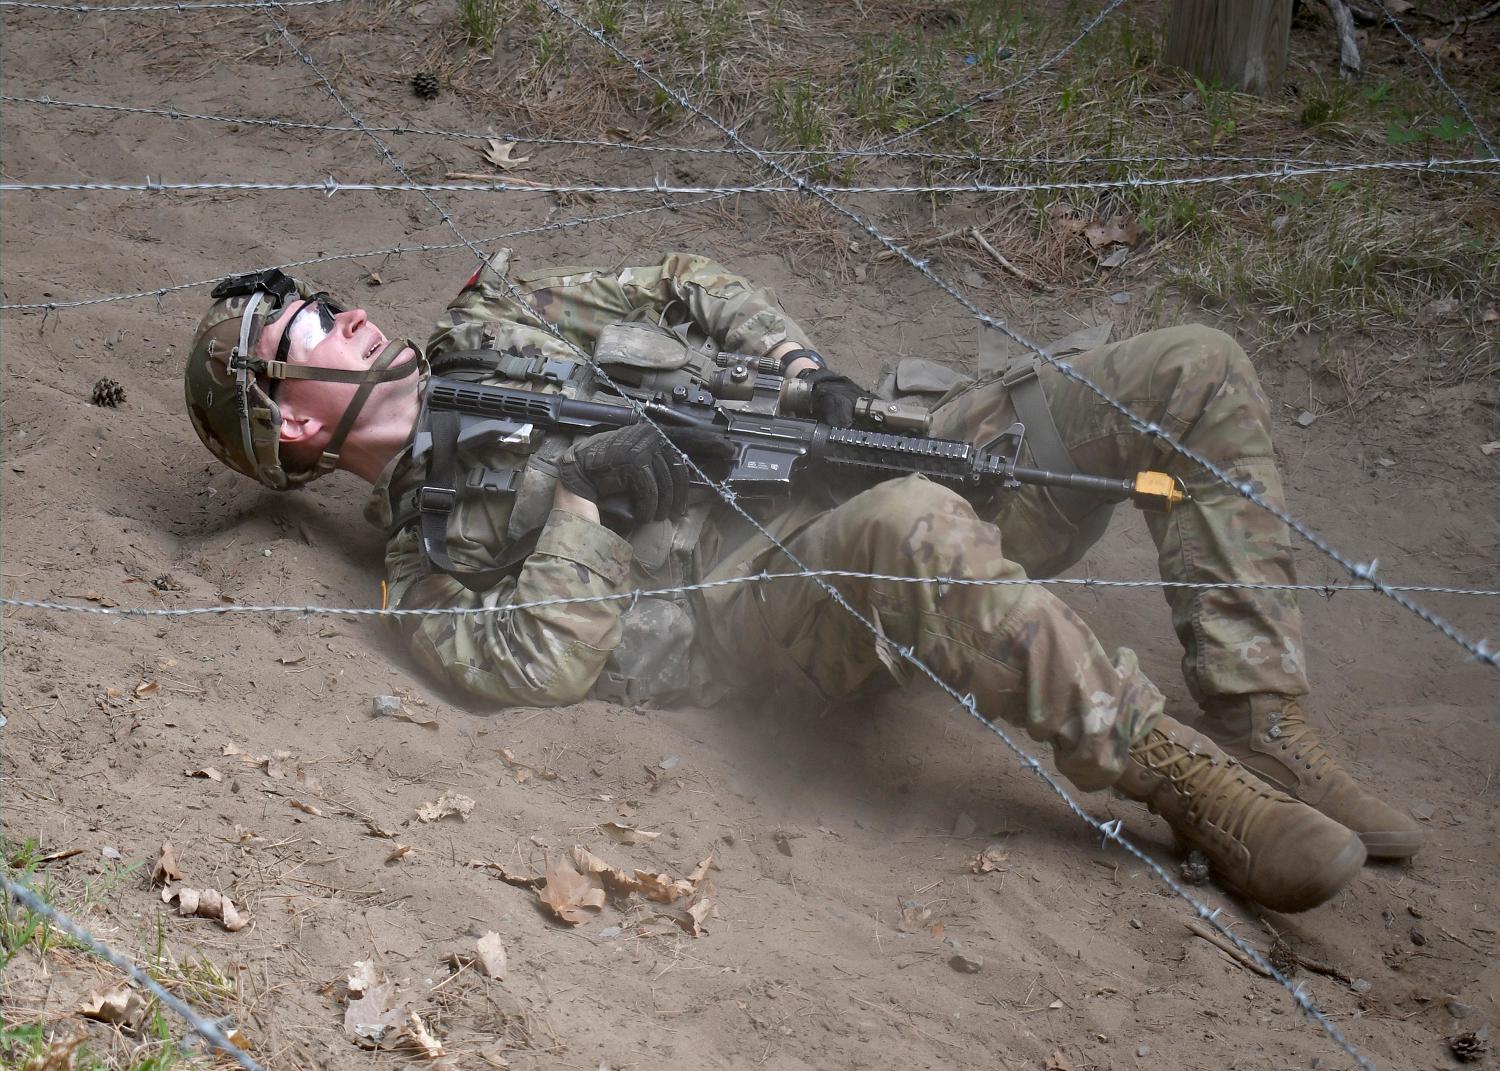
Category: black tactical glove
<point>833,396</point>
<point>634,473</point>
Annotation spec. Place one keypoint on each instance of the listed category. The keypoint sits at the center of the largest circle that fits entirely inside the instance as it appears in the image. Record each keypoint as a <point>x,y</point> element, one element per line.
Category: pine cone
<point>424,85</point>
<point>109,393</point>
<point>1283,957</point>
<point>1468,1047</point>
<point>1194,869</point>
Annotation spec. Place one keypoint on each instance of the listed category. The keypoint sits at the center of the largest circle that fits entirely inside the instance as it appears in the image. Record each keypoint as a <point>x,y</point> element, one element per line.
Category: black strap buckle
<point>436,499</point>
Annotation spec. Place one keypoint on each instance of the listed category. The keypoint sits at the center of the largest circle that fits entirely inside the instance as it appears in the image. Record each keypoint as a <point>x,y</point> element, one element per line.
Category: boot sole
<point>1321,887</point>
<point>1392,845</point>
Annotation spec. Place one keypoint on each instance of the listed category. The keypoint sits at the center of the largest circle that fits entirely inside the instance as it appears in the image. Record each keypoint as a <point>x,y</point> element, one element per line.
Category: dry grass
<point>1361,253</point>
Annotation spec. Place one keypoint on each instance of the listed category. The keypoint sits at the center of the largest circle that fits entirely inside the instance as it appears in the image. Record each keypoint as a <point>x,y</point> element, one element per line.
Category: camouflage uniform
<point>1023,653</point>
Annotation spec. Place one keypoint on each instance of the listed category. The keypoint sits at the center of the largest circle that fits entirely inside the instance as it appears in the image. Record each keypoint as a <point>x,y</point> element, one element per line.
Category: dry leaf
<point>146,689</point>
<point>701,870</point>
<point>206,904</point>
<point>247,836</point>
<point>307,808</point>
<point>659,887</point>
<point>376,1011</point>
<point>401,852</point>
<point>376,830</point>
<point>422,1040</point>
<point>622,834</point>
<point>1490,449</point>
<point>448,803</point>
<point>1118,229</point>
<point>914,916</point>
<point>492,956</point>
<point>691,920</point>
<point>363,977</point>
<point>494,1055</point>
<point>280,764</point>
<point>615,879</point>
<point>570,895</point>
<point>119,1007</point>
<point>165,871</point>
<point>207,771</point>
<point>234,751</point>
<point>499,153</point>
<point>986,861</point>
<point>58,1056</point>
<point>1442,48</point>
<point>237,1038</point>
<point>1058,1062</point>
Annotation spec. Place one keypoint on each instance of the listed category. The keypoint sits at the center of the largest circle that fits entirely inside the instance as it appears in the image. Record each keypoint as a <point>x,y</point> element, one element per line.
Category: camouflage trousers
<point>1028,658</point>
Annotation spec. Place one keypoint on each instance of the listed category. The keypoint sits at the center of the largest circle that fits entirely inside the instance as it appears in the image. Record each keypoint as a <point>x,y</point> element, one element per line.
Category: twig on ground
<point>1200,930</point>
<point>1004,263</point>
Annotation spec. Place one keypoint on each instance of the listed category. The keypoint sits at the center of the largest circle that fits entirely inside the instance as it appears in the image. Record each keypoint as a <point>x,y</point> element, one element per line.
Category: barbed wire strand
<point>130,9</point>
<point>331,185</point>
<point>395,250</point>
<point>207,1029</point>
<point>179,114</point>
<point>634,595</point>
<point>1107,830</point>
<point>1359,570</point>
<point>1437,72</point>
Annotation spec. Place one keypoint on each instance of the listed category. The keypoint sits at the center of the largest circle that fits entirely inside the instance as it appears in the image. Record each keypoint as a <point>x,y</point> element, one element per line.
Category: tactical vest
<point>510,472</point>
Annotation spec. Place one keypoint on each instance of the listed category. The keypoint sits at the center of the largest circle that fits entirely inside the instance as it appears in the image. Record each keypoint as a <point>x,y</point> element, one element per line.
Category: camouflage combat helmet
<point>230,391</point>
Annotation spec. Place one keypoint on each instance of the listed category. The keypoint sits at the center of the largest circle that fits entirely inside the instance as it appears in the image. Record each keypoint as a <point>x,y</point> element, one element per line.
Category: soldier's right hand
<point>634,468</point>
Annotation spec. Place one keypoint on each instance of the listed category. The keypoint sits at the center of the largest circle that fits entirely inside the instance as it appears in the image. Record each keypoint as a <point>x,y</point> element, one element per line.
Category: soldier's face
<point>317,336</point>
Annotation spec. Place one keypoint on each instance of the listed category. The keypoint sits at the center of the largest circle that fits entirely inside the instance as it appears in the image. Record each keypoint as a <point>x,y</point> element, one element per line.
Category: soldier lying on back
<point>284,385</point>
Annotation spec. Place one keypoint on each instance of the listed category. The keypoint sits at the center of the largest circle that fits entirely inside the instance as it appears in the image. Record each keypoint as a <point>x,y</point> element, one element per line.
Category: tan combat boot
<point>1260,842</point>
<point>1269,734</point>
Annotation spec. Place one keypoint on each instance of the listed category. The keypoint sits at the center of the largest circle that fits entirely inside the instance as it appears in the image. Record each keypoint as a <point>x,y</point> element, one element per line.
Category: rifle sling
<point>435,502</point>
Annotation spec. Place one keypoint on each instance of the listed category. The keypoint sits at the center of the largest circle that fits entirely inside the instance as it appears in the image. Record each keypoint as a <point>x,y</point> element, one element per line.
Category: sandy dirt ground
<point>839,838</point>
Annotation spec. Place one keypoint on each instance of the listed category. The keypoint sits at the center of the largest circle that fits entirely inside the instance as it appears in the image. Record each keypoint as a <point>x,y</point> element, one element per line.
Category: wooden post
<point>1238,44</point>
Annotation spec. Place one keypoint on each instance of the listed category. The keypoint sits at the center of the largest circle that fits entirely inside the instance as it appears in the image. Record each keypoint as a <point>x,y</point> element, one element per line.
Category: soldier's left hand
<point>833,396</point>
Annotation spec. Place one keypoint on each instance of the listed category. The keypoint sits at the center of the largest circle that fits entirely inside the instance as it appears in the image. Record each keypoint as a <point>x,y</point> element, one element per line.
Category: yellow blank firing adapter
<point>1158,491</point>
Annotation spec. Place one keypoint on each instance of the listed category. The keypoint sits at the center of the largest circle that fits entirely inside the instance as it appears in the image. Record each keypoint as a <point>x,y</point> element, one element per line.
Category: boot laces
<point>1221,794</point>
<point>1297,738</point>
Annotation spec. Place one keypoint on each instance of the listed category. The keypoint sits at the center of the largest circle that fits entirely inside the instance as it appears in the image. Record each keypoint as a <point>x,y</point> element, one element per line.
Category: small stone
<point>1143,1051</point>
<point>1459,1010</point>
<point>1305,418</point>
<point>1361,985</point>
<point>1414,911</point>
<point>387,706</point>
<point>1418,938</point>
<point>110,853</point>
<point>1135,924</point>
<point>610,931</point>
<point>966,962</point>
<point>1122,298</point>
<point>964,825</point>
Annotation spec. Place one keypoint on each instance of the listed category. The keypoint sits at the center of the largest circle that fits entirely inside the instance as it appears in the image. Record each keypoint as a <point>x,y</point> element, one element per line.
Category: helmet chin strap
<point>379,372</point>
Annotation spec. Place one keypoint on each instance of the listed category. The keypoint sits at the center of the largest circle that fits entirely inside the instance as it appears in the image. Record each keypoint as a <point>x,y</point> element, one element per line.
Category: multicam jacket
<point>555,654</point>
